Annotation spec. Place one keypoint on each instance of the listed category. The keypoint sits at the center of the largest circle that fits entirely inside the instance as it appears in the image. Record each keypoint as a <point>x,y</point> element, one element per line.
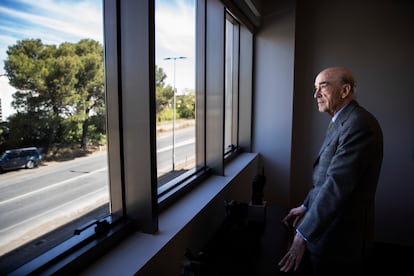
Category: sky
<point>175,37</point>
<point>58,21</point>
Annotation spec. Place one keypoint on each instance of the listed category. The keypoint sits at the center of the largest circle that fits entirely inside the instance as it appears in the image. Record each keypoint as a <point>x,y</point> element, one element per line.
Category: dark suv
<point>20,158</point>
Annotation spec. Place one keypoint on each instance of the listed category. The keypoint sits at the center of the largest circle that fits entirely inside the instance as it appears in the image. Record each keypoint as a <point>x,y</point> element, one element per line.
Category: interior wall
<point>375,40</point>
<point>273,98</point>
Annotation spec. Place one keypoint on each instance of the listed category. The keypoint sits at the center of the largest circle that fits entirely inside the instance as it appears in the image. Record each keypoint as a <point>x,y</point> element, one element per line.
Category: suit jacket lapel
<point>333,130</point>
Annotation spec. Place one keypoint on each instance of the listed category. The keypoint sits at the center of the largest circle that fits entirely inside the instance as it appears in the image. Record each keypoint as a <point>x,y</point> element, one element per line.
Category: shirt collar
<point>337,113</point>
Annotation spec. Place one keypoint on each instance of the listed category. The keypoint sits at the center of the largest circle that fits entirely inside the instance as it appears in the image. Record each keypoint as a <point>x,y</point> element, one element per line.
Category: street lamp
<point>173,128</point>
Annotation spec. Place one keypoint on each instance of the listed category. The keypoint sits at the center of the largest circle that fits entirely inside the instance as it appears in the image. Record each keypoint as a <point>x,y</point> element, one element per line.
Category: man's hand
<point>293,257</point>
<point>296,214</point>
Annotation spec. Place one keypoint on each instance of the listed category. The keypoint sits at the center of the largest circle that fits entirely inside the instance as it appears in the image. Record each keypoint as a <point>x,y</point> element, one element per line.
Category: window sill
<point>189,222</point>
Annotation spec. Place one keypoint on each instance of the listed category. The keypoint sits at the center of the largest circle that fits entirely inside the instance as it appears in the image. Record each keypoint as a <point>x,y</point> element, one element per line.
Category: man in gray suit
<point>335,224</point>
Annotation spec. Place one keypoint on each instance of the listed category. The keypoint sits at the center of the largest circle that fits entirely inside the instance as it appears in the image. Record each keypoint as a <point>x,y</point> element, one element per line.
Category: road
<point>33,202</point>
<point>184,150</point>
<point>36,201</point>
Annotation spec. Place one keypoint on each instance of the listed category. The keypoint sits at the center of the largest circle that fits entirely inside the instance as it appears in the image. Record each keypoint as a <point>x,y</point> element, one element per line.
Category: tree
<point>163,94</point>
<point>57,84</point>
<point>186,105</point>
<point>29,129</point>
<point>89,89</point>
<point>4,135</point>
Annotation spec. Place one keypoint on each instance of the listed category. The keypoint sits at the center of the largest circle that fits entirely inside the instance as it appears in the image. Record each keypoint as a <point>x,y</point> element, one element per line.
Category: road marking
<point>98,192</point>
<point>190,141</point>
<point>51,186</point>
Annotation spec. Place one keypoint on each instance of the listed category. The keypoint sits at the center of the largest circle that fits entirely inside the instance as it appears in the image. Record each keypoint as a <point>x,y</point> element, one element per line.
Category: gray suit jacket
<point>339,223</point>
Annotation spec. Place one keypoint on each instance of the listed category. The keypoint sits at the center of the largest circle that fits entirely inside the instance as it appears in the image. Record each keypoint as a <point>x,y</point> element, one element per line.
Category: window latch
<point>101,226</point>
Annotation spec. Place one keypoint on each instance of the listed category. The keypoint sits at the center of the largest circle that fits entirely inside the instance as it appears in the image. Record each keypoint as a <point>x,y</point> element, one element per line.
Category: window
<point>198,84</point>
<point>231,85</point>
<point>58,107</point>
<point>175,91</point>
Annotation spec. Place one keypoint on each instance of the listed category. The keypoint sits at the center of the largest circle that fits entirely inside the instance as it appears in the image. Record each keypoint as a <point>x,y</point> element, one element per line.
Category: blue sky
<point>57,21</point>
<point>175,36</point>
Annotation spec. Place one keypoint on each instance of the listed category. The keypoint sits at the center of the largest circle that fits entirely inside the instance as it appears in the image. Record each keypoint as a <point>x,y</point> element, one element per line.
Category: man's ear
<point>346,90</point>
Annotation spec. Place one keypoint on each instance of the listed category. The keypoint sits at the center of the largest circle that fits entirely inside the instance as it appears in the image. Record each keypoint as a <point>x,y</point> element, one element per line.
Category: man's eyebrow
<point>322,83</point>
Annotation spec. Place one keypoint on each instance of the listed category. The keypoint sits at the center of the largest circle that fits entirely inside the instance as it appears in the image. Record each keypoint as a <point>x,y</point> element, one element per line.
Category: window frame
<point>210,66</point>
<point>182,183</point>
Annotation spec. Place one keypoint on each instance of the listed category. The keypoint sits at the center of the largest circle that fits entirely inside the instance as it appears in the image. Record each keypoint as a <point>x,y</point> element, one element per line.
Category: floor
<point>253,247</point>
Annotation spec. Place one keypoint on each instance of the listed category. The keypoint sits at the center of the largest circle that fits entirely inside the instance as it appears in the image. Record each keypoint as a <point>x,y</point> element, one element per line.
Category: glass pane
<point>175,88</point>
<point>228,96</point>
<point>53,106</point>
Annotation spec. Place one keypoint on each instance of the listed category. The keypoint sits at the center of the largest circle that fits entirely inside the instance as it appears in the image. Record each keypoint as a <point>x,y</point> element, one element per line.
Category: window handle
<point>101,226</point>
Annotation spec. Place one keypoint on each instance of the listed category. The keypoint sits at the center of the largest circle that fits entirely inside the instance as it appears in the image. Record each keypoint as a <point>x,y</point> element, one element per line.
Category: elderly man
<point>335,223</point>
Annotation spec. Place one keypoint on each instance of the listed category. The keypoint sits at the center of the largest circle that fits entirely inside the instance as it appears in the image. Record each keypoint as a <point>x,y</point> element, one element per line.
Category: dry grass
<point>68,153</point>
<point>166,127</point>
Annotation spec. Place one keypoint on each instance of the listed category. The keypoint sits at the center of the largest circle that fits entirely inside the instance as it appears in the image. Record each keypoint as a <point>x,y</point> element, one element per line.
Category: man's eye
<point>321,86</point>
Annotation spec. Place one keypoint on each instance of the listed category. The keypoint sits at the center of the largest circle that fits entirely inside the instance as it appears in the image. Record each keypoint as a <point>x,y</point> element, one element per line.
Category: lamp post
<point>174,111</point>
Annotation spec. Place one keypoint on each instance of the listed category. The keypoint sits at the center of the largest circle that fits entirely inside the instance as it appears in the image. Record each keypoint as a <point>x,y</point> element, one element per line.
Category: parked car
<point>28,158</point>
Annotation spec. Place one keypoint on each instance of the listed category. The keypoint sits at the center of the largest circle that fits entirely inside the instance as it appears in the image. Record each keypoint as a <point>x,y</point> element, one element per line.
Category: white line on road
<point>190,141</point>
<point>82,198</point>
<point>51,186</point>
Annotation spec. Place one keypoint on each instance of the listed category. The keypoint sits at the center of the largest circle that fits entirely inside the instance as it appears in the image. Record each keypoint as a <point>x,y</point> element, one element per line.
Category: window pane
<point>175,89</point>
<point>228,96</point>
<point>231,84</point>
<point>52,98</point>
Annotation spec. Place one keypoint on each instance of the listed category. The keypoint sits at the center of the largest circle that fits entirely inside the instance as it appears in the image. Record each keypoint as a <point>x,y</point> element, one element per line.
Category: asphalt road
<point>36,201</point>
